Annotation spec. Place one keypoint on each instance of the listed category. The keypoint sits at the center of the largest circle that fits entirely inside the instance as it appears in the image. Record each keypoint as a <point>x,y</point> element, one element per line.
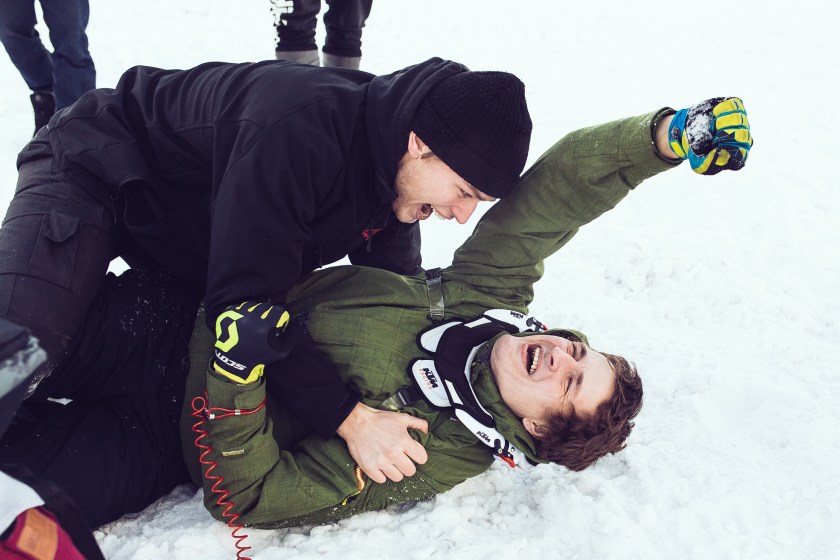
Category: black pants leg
<point>55,246</point>
<point>344,21</point>
<point>296,30</point>
<point>115,448</point>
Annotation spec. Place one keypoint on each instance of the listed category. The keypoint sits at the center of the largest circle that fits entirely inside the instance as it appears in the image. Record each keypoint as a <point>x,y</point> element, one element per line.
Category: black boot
<point>44,105</point>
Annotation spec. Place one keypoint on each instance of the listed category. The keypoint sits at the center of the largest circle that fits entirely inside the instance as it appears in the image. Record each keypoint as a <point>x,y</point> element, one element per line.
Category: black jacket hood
<point>391,102</point>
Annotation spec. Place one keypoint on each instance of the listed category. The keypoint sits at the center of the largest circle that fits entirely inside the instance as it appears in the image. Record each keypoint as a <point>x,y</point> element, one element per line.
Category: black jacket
<point>245,176</point>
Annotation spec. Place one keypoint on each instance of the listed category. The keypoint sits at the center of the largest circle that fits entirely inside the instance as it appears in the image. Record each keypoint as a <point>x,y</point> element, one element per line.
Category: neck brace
<point>446,382</point>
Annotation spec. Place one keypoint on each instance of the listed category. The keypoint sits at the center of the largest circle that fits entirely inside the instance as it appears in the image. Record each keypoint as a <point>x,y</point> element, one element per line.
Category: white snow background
<point>723,290</point>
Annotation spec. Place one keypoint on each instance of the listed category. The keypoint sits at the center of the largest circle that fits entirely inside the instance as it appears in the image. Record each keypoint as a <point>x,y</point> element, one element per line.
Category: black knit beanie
<point>478,124</point>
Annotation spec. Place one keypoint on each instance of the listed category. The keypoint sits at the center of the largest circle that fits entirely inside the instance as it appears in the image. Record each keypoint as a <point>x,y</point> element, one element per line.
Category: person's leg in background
<point>295,24</point>
<point>29,55</point>
<point>344,21</point>
<point>73,70</point>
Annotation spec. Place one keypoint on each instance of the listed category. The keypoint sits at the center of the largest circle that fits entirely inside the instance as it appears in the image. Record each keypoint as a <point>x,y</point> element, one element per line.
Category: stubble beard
<point>399,205</point>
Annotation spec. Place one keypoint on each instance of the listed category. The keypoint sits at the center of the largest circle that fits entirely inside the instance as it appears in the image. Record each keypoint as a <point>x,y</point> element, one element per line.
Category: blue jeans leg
<point>73,69</point>
<point>22,42</point>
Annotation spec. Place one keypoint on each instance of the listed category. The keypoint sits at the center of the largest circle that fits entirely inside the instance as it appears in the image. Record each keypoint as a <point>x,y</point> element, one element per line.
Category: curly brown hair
<point>576,442</point>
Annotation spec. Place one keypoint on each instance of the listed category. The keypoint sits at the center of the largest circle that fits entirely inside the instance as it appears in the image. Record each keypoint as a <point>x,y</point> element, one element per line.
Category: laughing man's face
<point>541,375</point>
<point>426,185</point>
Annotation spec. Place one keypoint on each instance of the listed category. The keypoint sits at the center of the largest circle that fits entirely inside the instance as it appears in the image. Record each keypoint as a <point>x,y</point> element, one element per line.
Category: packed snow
<point>724,290</point>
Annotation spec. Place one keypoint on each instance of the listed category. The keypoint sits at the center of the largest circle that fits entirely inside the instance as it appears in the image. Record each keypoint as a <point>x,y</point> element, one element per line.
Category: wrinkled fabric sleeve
<point>317,481</point>
<point>396,248</point>
<point>308,385</point>
<point>266,199</point>
<point>585,174</point>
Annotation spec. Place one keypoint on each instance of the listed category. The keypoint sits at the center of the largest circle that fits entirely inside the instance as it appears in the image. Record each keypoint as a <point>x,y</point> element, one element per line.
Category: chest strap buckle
<point>435,287</point>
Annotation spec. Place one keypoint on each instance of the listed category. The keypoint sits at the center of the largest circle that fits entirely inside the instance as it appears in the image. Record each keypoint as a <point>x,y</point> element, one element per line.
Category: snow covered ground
<point>723,290</point>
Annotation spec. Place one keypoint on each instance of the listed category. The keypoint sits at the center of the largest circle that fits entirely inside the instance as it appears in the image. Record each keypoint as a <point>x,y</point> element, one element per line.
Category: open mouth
<point>425,211</point>
<point>533,358</point>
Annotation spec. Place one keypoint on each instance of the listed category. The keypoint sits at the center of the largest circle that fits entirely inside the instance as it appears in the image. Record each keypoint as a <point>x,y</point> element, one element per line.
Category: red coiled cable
<point>200,411</point>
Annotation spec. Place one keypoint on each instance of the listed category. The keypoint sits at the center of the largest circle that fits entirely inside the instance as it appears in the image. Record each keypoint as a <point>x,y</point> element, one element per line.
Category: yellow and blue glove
<point>713,135</point>
<point>251,336</point>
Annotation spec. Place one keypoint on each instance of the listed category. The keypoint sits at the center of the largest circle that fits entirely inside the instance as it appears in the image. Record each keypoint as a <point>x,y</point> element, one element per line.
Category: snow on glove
<point>251,336</point>
<point>713,135</point>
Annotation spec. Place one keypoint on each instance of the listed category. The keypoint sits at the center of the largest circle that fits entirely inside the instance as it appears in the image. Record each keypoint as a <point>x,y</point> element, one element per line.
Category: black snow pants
<point>116,347</point>
<point>115,448</point>
<point>56,243</point>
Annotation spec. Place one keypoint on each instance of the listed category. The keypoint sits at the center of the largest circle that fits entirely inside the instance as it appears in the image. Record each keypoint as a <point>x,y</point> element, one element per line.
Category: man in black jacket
<point>238,178</point>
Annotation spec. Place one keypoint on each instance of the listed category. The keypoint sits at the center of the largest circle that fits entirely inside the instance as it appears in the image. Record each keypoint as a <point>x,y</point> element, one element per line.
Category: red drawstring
<point>200,411</point>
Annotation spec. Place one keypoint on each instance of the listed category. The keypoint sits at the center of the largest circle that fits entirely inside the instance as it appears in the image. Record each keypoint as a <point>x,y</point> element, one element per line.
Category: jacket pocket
<point>165,238</point>
<point>147,223</point>
<point>143,212</point>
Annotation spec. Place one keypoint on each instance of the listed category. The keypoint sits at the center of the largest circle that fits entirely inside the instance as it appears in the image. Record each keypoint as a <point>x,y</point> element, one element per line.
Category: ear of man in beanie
<point>478,124</point>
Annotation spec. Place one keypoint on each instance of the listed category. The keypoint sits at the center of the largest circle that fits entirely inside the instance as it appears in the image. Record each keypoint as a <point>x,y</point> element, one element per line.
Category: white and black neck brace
<point>446,382</point>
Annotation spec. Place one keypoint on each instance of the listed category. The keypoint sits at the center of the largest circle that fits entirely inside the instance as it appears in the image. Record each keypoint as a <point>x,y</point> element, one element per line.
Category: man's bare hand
<point>379,442</point>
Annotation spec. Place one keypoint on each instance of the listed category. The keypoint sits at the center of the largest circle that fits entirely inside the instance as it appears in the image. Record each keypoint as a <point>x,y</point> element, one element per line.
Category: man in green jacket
<point>549,396</point>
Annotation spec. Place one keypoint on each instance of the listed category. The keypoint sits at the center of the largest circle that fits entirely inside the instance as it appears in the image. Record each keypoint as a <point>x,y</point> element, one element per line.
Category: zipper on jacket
<point>368,235</point>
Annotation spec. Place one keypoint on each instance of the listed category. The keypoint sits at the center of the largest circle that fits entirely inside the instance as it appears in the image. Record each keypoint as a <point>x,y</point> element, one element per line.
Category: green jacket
<point>367,319</point>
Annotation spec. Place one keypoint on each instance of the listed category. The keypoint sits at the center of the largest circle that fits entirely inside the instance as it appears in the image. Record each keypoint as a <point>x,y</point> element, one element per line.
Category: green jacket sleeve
<point>582,176</point>
<point>316,481</point>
